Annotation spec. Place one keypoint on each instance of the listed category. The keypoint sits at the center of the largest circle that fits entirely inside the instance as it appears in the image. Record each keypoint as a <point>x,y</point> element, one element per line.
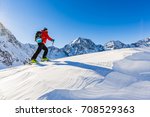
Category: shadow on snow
<point>59,94</point>
<point>99,70</point>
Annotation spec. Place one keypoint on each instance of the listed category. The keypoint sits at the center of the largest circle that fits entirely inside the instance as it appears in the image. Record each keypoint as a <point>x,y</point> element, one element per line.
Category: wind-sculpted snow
<point>117,74</point>
<point>129,79</point>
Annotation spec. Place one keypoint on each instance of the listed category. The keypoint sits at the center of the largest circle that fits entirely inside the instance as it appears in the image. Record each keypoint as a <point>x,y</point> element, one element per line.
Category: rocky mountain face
<point>111,45</point>
<point>142,43</point>
<point>13,52</point>
<point>55,53</point>
<point>81,46</point>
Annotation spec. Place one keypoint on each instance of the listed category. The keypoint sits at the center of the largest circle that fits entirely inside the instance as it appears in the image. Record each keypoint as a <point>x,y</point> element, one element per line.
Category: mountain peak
<point>147,40</point>
<point>4,31</point>
<point>114,45</point>
<point>142,43</point>
<point>81,46</point>
<point>81,40</point>
<point>1,26</point>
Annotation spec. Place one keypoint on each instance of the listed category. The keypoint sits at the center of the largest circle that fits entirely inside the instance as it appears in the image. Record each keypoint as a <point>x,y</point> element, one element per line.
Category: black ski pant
<point>41,46</point>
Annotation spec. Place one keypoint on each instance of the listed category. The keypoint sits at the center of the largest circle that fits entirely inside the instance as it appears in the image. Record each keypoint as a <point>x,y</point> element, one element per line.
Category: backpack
<point>38,37</point>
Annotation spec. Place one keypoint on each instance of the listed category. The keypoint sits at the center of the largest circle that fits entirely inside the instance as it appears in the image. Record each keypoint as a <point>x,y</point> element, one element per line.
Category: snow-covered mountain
<point>82,46</point>
<point>12,52</point>
<point>55,53</point>
<point>101,75</point>
<point>111,45</point>
<point>141,43</point>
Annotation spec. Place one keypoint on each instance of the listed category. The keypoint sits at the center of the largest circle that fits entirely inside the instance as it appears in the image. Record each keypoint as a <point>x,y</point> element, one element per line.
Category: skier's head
<point>45,29</point>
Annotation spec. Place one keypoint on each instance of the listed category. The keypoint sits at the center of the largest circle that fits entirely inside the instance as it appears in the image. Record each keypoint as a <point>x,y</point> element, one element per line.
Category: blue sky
<point>99,20</point>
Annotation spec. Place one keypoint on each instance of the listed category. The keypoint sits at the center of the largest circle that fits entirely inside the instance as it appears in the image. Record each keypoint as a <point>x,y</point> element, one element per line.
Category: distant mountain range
<point>13,52</point>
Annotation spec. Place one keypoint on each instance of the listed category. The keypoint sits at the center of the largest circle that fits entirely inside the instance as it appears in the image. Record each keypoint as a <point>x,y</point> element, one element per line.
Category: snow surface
<point>116,74</point>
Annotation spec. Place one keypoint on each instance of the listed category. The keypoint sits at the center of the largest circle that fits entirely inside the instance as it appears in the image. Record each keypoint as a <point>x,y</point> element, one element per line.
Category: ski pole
<point>52,43</point>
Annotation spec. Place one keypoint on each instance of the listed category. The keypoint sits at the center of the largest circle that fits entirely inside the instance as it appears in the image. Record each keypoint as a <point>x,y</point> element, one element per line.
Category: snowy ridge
<point>82,46</point>
<point>111,45</point>
<point>102,75</point>
<point>141,43</point>
<point>14,53</point>
<point>55,53</point>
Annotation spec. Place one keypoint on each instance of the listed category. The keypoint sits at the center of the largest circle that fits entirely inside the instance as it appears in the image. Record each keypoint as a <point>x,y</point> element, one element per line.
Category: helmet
<point>45,29</point>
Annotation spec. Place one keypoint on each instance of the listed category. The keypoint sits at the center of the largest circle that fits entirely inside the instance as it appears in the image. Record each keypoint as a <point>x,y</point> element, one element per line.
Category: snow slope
<point>116,74</point>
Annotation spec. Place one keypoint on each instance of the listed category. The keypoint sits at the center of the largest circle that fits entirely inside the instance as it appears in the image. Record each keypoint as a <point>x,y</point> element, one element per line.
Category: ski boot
<point>45,59</point>
<point>33,61</point>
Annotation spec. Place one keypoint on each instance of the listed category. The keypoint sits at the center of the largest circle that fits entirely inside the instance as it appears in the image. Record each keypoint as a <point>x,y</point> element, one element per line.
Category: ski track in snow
<point>117,74</point>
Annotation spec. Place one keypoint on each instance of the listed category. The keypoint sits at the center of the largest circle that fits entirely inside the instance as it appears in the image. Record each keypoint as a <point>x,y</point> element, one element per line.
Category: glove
<point>53,40</point>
